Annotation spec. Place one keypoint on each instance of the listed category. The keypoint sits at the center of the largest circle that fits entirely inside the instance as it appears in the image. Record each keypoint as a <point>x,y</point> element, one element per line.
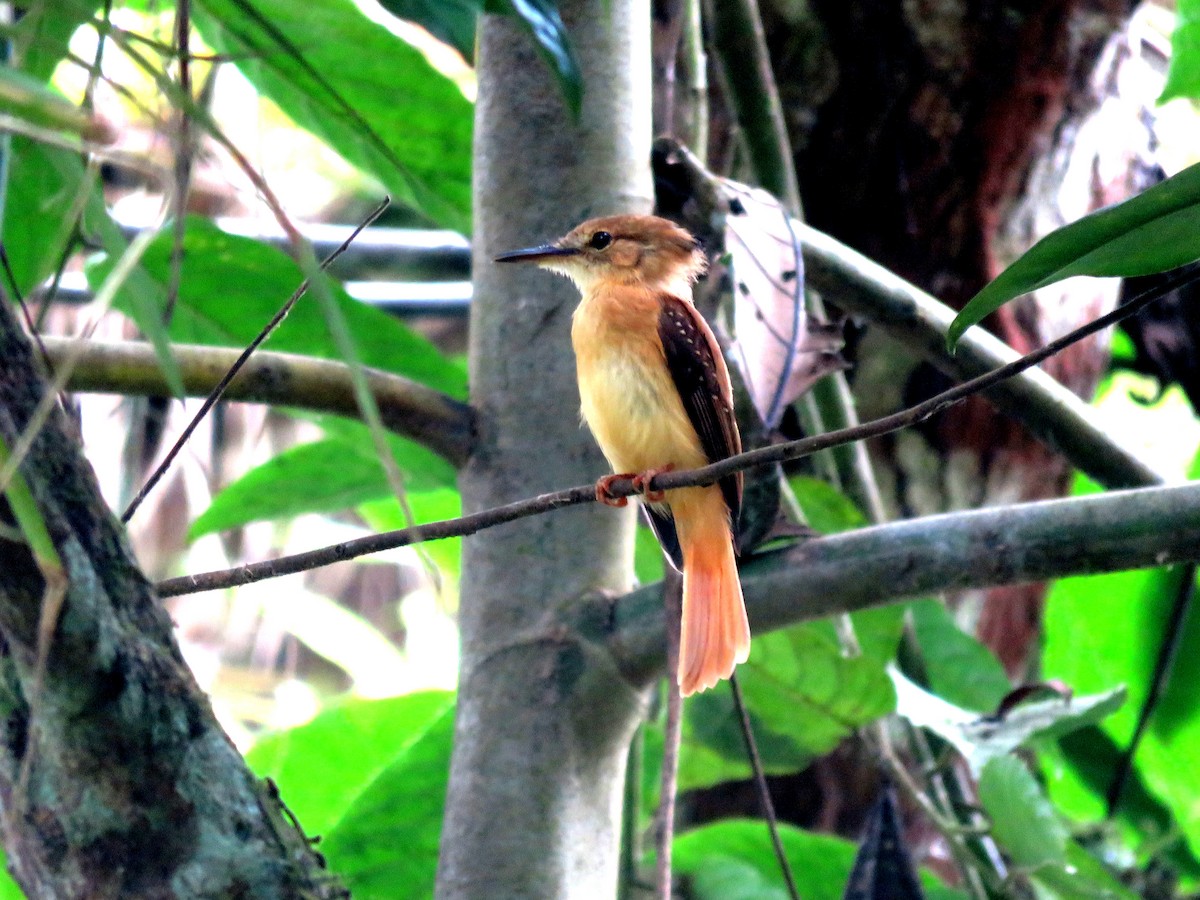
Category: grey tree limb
<point>444,425</point>
<point>856,570</point>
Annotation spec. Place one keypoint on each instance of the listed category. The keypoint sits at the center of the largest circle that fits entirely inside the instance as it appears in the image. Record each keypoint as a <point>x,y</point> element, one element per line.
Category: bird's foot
<point>604,489</point>
<point>641,484</point>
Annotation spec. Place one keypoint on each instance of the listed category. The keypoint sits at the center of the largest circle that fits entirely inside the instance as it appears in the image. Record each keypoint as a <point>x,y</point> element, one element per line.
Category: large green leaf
<point>231,287</point>
<point>1031,833</point>
<point>42,34</point>
<point>958,668</point>
<point>44,183</point>
<point>1157,230</point>
<point>386,844</point>
<point>28,99</point>
<point>734,860</point>
<point>371,96</point>
<point>1183,73</point>
<point>438,505</point>
<point>336,473</point>
<point>323,768</point>
<point>803,696</point>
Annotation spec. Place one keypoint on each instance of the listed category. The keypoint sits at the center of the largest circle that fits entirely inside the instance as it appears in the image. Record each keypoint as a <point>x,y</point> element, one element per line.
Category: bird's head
<point>631,250</point>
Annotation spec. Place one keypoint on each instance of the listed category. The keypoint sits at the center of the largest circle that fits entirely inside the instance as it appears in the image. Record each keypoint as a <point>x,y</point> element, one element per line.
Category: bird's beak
<point>536,254</point>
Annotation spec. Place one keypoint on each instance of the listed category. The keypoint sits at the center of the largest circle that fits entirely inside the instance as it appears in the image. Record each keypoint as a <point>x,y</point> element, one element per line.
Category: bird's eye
<point>600,240</point>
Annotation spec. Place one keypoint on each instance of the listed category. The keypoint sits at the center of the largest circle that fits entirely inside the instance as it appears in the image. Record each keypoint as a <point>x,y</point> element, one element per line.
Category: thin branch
<point>245,355</point>
<point>764,791</point>
<point>408,408</point>
<point>624,487</point>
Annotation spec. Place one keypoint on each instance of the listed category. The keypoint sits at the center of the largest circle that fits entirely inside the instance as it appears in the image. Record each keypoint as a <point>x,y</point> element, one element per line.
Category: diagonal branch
<point>442,424</point>
<point>856,570</point>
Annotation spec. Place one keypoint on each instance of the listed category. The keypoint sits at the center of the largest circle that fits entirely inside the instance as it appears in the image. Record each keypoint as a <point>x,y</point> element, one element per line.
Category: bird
<point>655,392</point>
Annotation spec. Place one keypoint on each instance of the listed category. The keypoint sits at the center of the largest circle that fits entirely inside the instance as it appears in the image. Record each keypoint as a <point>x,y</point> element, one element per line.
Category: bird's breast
<point>626,392</point>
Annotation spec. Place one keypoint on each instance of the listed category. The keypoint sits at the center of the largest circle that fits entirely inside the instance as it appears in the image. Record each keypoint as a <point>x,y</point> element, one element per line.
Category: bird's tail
<point>715,634</point>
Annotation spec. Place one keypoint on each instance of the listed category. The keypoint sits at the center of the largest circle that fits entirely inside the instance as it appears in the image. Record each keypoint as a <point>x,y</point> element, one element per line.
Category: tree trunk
<point>544,716</point>
<point>132,788</point>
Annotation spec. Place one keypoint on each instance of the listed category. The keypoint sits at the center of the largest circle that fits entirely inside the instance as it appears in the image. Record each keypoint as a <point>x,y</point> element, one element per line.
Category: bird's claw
<point>604,490</point>
<point>641,484</point>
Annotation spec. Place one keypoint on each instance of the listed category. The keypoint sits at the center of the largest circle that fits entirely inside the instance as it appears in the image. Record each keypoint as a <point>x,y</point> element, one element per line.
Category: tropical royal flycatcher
<point>656,394</point>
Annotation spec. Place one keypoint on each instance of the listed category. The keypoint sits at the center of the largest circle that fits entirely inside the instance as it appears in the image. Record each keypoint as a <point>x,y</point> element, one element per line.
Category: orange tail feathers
<point>715,634</point>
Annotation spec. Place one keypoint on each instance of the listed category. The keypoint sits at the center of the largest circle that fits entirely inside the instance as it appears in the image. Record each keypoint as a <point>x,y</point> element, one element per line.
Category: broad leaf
<point>337,473</point>
<point>826,508</point>
<point>1157,230</point>
<point>42,34</point>
<point>371,96</point>
<point>734,860</point>
<point>958,668</point>
<point>26,98</point>
<point>324,767</point>
<point>803,695</point>
<point>1183,72</point>
<point>1023,821</point>
<point>386,844</point>
<point>44,182</point>
<point>437,505</point>
<point>232,286</point>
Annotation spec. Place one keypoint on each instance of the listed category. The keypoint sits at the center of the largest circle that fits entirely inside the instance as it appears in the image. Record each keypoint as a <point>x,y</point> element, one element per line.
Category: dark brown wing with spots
<point>698,370</point>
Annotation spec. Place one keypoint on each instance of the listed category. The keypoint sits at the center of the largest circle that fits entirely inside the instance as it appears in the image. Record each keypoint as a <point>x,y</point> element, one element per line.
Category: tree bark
<point>544,716</point>
<point>133,789</point>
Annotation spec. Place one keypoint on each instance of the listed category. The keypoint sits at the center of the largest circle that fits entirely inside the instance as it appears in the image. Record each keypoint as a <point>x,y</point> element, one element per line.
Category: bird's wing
<point>697,367</point>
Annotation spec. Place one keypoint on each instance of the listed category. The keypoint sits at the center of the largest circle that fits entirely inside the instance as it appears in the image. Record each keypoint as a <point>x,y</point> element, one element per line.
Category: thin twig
<point>764,791</point>
<point>469,524</point>
<point>672,736</point>
<point>184,153</point>
<point>1185,591</point>
<point>219,390</point>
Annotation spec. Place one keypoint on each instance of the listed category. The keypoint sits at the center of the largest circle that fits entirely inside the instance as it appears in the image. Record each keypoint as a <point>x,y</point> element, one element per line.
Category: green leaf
<point>982,738</point>
<point>1023,821</point>
<point>232,286</point>
<point>826,508</point>
<point>734,860</point>
<point>44,184</point>
<point>450,21</point>
<point>648,561</point>
<point>386,844</point>
<point>337,473</point>
<point>371,96</point>
<point>544,23</point>
<point>324,767</point>
<point>42,35</point>
<point>1157,230</point>
<point>803,696</point>
<point>384,514</point>
<point>959,668</point>
<point>1080,877</point>
<point>1183,71</point>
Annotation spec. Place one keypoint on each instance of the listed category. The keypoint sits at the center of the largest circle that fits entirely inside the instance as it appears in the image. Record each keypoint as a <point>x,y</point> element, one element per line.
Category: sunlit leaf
<point>1183,72</point>
<point>438,505</point>
<point>1157,230</point>
<point>42,34</point>
<point>43,184</point>
<point>367,93</point>
<point>324,767</point>
<point>734,860</point>
<point>826,509</point>
<point>386,844</point>
<point>337,473</point>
